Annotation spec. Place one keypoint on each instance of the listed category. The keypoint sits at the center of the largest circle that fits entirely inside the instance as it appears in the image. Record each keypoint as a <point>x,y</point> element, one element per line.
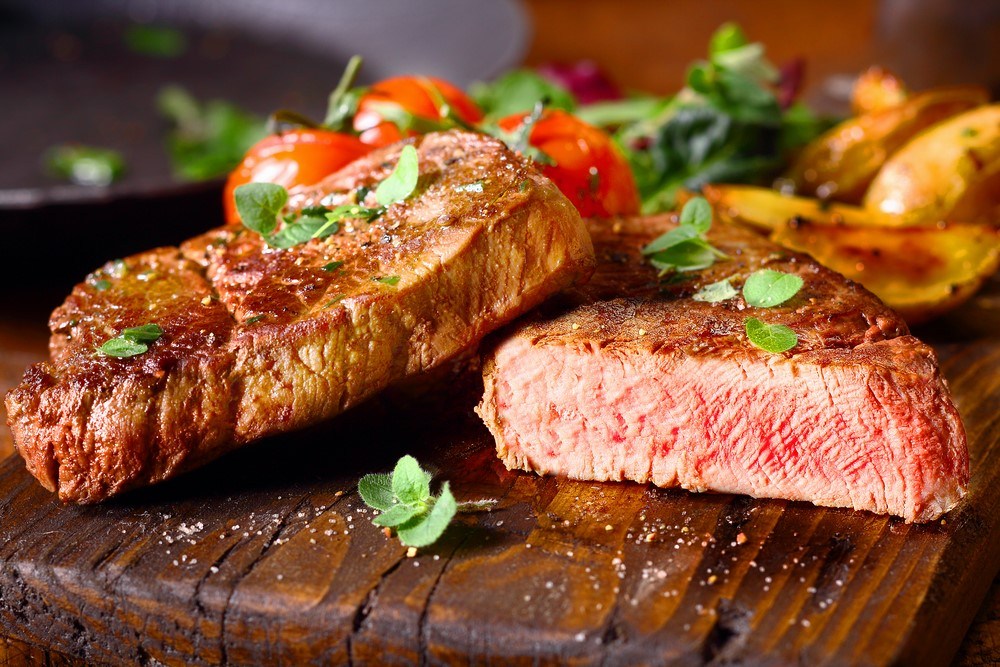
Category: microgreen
<point>343,102</point>
<point>401,183</point>
<point>518,140</point>
<point>715,292</point>
<point>405,503</point>
<point>774,338</point>
<point>210,139</point>
<point>101,285</point>
<point>131,342</point>
<point>157,41</point>
<point>684,247</point>
<point>259,205</point>
<point>388,280</point>
<point>332,266</point>
<point>519,91</point>
<point>85,165</point>
<point>768,288</point>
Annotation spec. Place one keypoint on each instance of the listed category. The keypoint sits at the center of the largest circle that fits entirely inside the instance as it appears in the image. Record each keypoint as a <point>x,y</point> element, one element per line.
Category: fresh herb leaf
<point>343,102</point>
<point>774,338</point>
<point>155,41</point>
<point>684,247</point>
<point>101,285</point>
<point>697,215</point>
<point>85,165</point>
<point>727,37</point>
<point>388,280</point>
<point>122,347</point>
<point>376,491</point>
<point>519,140</point>
<point>131,341</point>
<point>335,300</point>
<point>406,503</point>
<point>397,515</point>
<point>259,205</point>
<point>410,483</point>
<point>691,255</point>
<point>401,183</point>
<point>520,90</point>
<point>332,266</point>
<point>253,320</point>
<point>210,139</point>
<point>147,333</point>
<point>768,288</point>
<point>715,292</point>
<point>429,528</point>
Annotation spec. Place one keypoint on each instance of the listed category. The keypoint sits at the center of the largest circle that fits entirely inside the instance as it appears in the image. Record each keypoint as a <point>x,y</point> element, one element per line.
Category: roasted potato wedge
<point>919,271</point>
<point>769,209</point>
<point>842,163</point>
<point>950,172</point>
<point>877,88</point>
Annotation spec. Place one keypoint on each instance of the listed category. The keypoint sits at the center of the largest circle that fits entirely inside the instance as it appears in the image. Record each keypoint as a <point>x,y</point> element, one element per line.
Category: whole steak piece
<point>258,340</point>
<point>628,377</point>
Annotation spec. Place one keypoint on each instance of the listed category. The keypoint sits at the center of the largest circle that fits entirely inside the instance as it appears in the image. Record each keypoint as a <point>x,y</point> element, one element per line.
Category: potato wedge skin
<point>877,88</point>
<point>769,210</point>
<point>949,172</point>
<point>920,272</point>
<point>842,163</point>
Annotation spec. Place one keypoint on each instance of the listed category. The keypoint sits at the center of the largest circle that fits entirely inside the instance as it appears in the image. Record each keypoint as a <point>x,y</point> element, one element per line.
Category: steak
<point>628,377</point>
<point>258,340</point>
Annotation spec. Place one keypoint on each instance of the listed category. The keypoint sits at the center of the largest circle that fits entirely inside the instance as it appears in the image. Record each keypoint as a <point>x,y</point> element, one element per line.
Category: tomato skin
<point>588,167</point>
<point>296,157</point>
<point>415,94</point>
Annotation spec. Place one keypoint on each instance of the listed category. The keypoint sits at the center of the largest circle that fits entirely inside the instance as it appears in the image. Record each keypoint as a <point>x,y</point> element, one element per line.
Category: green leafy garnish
<point>774,338</point>
<point>518,140</point>
<point>726,125</point>
<point>405,503</point>
<point>684,247</point>
<point>147,333</point>
<point>259,205</point>
<point>520,90</point>
<point>388,280</point>
<point>254,319</point>
<point>131,342</point>
<point>768,288</point>
<point>155,41</point>
<point>85,165</point>
<point>209,139</point>
<point>718,291</point>
<point>343,102</point>
<point>401,183</point>
<point>332,266</point>
<point>101,284</point>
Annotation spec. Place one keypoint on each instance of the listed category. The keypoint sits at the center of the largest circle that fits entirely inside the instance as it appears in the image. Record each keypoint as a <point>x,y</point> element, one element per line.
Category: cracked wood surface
<point>268,557</point>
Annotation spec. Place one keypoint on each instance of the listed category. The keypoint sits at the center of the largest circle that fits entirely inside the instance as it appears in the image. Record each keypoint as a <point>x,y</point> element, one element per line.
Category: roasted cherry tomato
<point>419,95</point>
<point>588,168</point>
<point>296,157</point>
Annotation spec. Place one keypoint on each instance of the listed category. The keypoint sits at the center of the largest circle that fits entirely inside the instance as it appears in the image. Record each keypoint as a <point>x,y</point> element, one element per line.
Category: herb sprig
<point>405,503</point>
<point>684,248</point>
<point>131,342</point>
<point>260,205</point>
<point>85,165</point>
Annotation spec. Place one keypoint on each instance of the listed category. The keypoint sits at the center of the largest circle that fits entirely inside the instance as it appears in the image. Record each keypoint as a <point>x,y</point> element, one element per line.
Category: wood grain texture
<point>268,557</point>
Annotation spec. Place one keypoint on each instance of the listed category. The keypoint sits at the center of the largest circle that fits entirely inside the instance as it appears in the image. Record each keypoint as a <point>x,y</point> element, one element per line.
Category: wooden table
<point>661,39</point>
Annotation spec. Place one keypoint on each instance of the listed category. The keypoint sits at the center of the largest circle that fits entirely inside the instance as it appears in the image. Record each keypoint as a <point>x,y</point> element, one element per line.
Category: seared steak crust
<point>628,377</point>
<point>259,341</point>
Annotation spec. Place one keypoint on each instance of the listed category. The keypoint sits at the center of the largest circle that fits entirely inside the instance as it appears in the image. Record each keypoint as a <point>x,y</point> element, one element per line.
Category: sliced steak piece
<point>630,378</point>
<point>259,341</point>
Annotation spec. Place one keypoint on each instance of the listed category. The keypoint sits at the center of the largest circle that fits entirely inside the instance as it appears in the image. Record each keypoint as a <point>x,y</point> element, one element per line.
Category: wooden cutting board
<point>268,556</point>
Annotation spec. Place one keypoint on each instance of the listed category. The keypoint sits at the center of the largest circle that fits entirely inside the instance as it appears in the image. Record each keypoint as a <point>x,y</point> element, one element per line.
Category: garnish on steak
<point>258,340</point>
<point>631,377</point>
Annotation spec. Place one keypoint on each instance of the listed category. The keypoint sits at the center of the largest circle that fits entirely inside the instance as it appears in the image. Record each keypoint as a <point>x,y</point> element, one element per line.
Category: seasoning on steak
<point>628,377</point>
<point>258,341</point>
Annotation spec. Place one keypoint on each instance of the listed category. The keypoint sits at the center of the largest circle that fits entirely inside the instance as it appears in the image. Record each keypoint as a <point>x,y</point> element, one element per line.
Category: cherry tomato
<point>295,157</point>
<point>419,95</point>
<point>588,168</point>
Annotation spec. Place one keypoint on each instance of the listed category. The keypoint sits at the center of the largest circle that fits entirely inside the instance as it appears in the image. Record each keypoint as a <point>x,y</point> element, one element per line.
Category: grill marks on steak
<point>628,378</point>
<point>259,341</point>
